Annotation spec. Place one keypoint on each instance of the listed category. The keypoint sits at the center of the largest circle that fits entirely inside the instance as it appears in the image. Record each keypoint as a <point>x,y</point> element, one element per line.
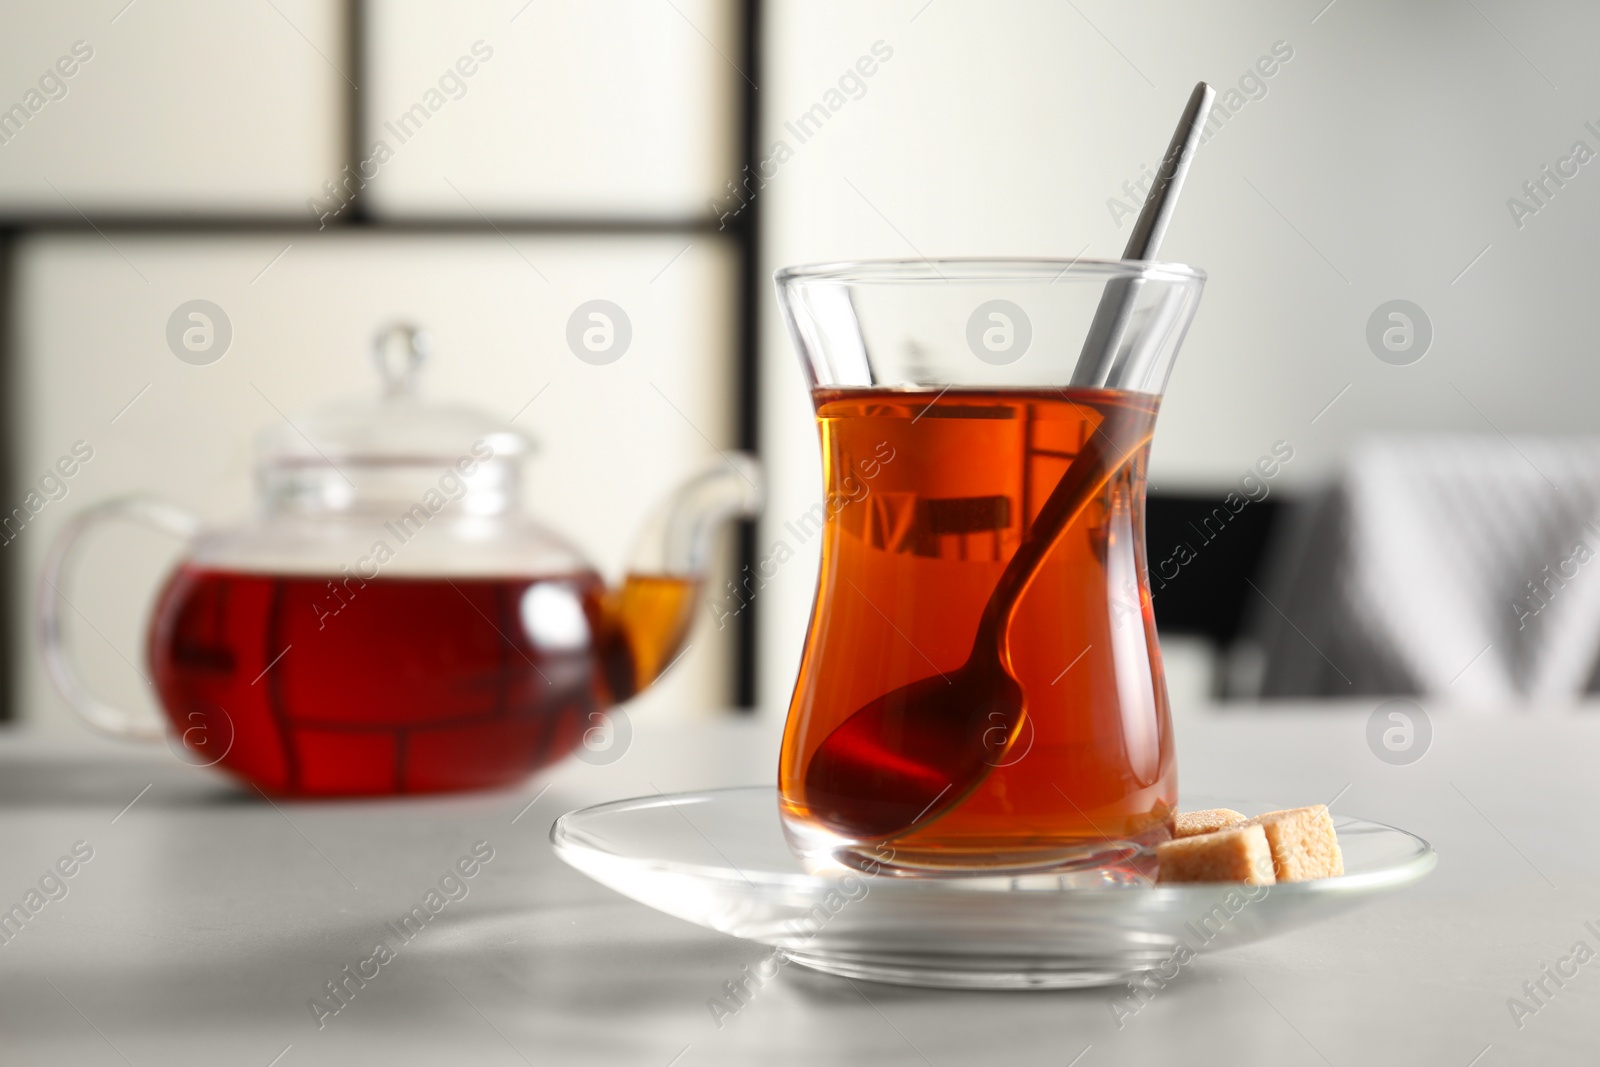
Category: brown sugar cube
<point>1304,845</point>
<point>1206,822</point>
<point>1236,854</point>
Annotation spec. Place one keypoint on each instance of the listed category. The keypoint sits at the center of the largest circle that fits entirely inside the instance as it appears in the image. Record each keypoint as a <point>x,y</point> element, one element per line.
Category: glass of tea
<point>981,685</point>
<point>391,619</point>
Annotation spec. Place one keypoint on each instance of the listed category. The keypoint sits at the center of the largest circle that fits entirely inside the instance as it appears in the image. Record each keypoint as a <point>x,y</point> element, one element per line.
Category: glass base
<point>935,970</point>
<point>1125,860</point>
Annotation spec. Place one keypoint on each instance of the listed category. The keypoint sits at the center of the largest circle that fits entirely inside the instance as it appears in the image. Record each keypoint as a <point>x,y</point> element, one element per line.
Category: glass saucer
<point>719,859</point>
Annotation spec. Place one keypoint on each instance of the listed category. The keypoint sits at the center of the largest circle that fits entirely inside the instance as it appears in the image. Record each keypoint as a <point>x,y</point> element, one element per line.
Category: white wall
<point>183,107</point>
<point>1377,166</point>
<point>603,108</point>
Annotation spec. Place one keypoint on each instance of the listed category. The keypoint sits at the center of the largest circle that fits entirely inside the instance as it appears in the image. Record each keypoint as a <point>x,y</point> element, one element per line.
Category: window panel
<point>609,108</point>
<point>179,107</point>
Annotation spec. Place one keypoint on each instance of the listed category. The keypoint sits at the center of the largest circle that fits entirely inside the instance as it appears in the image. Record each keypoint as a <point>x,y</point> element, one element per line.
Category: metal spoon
<point>912,754</point>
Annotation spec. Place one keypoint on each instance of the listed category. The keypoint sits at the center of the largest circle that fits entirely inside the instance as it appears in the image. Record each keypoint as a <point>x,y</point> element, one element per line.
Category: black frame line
<point>157,225</point>
<point>11,477</point>
<point>755,300</point>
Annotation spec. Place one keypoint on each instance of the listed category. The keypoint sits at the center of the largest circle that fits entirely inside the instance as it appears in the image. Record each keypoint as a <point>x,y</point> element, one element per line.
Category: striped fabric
<point>1451,566</point>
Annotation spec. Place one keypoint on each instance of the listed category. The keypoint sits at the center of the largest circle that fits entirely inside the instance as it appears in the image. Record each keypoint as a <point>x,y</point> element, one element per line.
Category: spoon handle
<point>1162,199</point>
<point>1104,341</point>
<point>1087,475</point>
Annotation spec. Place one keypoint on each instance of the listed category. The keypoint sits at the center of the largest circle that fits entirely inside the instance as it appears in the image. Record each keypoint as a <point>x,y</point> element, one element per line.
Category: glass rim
<point>975,269</point>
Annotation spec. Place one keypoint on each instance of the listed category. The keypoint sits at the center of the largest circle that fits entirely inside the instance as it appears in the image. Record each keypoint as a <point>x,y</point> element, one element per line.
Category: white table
<point>207,919</point>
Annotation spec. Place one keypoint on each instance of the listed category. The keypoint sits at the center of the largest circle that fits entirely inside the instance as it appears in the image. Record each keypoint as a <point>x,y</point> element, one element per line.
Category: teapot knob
<point>399,348</point>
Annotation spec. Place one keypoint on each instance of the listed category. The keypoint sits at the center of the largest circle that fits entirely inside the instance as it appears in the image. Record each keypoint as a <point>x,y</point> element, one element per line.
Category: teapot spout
<point>651,614</point>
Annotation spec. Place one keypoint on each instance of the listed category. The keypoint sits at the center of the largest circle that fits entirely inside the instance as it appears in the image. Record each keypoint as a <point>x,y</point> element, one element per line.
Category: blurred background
<point>1395,205</point>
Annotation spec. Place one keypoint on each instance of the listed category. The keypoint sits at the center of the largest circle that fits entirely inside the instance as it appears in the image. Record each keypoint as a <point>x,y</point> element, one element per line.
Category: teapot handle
<point>106,718</point>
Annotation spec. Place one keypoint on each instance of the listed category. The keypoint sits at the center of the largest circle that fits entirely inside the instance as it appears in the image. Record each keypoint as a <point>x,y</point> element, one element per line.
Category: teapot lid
<point>398,428</point>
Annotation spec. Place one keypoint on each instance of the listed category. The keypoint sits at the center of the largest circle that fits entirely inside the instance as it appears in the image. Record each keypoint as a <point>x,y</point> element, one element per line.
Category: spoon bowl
<point>894,760</point>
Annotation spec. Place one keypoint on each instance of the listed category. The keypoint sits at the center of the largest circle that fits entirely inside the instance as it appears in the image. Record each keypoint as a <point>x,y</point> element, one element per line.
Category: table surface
<point>208,919</point>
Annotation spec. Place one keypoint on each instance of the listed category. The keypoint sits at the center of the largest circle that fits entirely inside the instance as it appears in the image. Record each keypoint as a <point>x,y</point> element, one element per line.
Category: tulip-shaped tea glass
<point>981,685</point>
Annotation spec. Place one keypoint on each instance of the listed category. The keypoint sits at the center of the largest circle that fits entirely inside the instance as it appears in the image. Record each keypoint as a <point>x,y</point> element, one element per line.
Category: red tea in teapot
<point>314,685</point>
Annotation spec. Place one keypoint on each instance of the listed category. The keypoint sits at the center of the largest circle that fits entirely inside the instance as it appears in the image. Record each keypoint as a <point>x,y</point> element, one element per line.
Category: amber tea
<point>907,569</point>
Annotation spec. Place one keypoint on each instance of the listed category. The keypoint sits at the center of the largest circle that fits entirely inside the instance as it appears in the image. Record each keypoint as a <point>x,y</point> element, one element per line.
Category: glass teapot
<point>391,621</point>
